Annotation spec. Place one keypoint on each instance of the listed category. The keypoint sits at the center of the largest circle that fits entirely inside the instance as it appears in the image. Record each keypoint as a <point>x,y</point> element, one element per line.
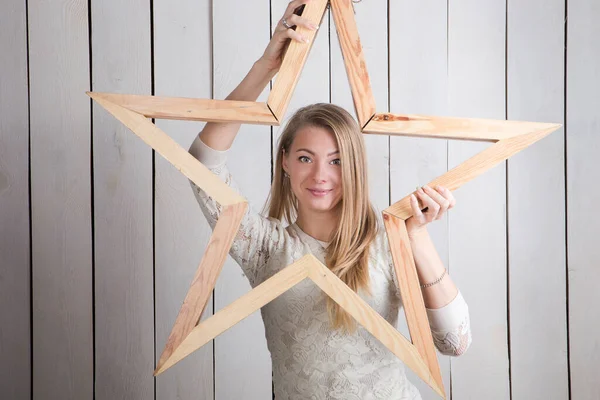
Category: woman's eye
<point>304,159</point>
<point>337,161</point>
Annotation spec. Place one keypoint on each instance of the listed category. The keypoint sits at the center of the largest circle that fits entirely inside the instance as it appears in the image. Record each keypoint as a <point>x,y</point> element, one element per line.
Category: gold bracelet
<point>438,280</point>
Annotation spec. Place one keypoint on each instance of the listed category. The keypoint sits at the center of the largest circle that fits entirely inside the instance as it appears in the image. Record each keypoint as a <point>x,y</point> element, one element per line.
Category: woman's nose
<point>319,173</point>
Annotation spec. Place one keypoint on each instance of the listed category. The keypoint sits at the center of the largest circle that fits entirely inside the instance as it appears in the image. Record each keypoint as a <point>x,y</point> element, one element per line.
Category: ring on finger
<point>285,23</point>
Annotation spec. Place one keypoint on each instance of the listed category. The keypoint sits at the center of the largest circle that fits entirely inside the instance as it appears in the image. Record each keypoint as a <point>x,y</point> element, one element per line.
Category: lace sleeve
<point>257,237</point>
<point>450,327</point>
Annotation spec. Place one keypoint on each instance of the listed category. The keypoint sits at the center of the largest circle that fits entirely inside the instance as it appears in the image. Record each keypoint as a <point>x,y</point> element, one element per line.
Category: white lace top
<point>310,360</point>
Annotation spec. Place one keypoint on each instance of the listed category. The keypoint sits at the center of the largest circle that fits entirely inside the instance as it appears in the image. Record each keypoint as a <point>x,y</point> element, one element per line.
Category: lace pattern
<point>311,361</point>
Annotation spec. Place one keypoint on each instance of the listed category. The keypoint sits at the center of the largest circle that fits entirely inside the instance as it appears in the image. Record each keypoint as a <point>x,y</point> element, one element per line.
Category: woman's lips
<point>319,192</point>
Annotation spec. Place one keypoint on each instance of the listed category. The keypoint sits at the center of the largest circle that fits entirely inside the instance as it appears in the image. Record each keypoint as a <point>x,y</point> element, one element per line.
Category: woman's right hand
<point>273,55</point>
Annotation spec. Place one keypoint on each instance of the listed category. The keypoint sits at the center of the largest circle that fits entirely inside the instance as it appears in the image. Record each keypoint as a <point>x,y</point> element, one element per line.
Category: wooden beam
<point>294,60</point>
<point>238,310</point>
<point>475,129</point>
<point>412,296</point>
<point>205,278</point>
<point>372,322</point>
<point>354,60</point>
<point>476,166</point>
<point>172,152</point>
<point>180,108</point>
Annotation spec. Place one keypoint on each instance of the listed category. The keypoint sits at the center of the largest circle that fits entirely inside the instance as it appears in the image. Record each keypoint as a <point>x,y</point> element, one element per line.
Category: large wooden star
<point>187,335</point>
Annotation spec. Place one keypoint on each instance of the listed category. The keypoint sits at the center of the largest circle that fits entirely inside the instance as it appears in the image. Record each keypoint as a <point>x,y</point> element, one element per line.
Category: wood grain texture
<point>412,296</point>
<point>583,172</point>
<point>536,204</point>
<point>475,129</point>
<point>123,226</point>
<point>189,109</point>
<point>15,305</point>
<point>173,152</point>
<point>181,231</point>
<point>241,308</point>
<point>371,321</point>
<point>293,61</point>
<point>475,166</point>
<point>61,200</point>
<point>419,86</point>
<point>204,280</point>
<point>354,59</point>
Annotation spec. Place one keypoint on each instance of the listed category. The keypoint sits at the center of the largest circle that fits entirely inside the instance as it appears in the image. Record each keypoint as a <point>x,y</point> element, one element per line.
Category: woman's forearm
<point>220,135</point>
<point>429,268</point>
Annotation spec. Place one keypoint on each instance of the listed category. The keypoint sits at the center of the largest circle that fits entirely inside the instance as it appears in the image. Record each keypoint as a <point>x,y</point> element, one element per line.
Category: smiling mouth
<point>319,193</point>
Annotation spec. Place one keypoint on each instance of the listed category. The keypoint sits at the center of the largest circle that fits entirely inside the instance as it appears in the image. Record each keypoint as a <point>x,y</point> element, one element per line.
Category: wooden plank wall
<point>180,231</point>
<point>15,273</point>
<point>62,258</point>
<point>583,226</point>
<point>419,88</point>
<point>536,204</point>
<point>99,236</point>
<point>123,203</point>
<point>243,348</point>
<point>477,230</point>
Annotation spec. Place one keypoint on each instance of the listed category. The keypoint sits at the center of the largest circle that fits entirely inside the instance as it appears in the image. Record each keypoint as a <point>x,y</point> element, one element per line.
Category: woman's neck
<point>318,225</point>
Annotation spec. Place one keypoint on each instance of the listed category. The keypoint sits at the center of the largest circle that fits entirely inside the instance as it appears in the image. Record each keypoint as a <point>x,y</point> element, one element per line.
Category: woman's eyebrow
<point>312,153</point>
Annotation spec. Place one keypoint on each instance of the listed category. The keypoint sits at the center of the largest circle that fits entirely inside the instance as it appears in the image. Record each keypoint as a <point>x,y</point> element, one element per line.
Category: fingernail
<point>305,40</point>
<point>315,27</point>
<point>426,187</point>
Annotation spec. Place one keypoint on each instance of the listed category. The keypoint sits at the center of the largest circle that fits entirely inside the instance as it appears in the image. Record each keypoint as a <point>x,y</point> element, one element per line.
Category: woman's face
<point>313,164</point>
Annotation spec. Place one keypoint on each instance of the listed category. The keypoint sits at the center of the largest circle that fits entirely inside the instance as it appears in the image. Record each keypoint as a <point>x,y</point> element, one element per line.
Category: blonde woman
<point>319,204</point>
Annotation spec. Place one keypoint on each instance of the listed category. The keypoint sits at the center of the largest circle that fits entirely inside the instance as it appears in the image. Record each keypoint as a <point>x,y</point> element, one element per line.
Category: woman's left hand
<point>437,202</point>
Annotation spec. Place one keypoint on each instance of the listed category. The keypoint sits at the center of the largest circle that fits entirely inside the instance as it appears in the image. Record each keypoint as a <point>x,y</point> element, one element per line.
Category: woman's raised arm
<point>220,135</point>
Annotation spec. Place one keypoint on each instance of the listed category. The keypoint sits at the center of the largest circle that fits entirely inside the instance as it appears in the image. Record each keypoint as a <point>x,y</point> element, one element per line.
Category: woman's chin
<point>322,205</point>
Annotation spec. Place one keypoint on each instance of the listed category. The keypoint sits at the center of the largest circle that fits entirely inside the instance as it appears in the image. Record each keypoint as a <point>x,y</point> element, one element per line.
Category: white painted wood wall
<point>99,237</point>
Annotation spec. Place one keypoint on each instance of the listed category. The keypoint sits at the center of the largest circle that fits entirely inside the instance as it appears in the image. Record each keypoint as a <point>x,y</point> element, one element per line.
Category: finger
<point>447,195</point>
<point>417,213</point>
<point>433,207</point>
<point>439,199</point>
<point>297,20</point>
<point>292,34</point>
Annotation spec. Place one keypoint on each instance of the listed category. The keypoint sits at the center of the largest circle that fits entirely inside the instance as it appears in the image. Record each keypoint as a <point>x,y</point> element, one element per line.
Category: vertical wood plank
<point>15,306</point>
<point>583,223</point>
<point>477,226</point>
<point>181,231</point>
<point>536,203</point>
<point>242,361</point>
<point>61,200</point>
<point>418,84</point>
<point>122,207</point>
<point>374,42</point>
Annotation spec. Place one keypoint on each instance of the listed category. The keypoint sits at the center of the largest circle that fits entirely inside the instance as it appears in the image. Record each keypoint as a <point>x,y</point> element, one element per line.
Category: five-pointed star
<point>187,334</point>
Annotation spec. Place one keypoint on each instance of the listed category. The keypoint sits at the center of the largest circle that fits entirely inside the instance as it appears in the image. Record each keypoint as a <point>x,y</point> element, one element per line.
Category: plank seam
<point>92,198</point>
<point>506,216</point>
<point>30,204</point>
<point>212,95</point>
<point>566,175</point>
<point>153,92</point>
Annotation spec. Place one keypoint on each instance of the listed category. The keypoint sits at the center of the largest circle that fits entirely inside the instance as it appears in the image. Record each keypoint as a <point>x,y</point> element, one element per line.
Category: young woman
<point>320,189</point>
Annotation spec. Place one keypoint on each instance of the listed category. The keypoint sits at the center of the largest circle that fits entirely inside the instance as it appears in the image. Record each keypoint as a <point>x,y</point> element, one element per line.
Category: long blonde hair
<point>348,251</point>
